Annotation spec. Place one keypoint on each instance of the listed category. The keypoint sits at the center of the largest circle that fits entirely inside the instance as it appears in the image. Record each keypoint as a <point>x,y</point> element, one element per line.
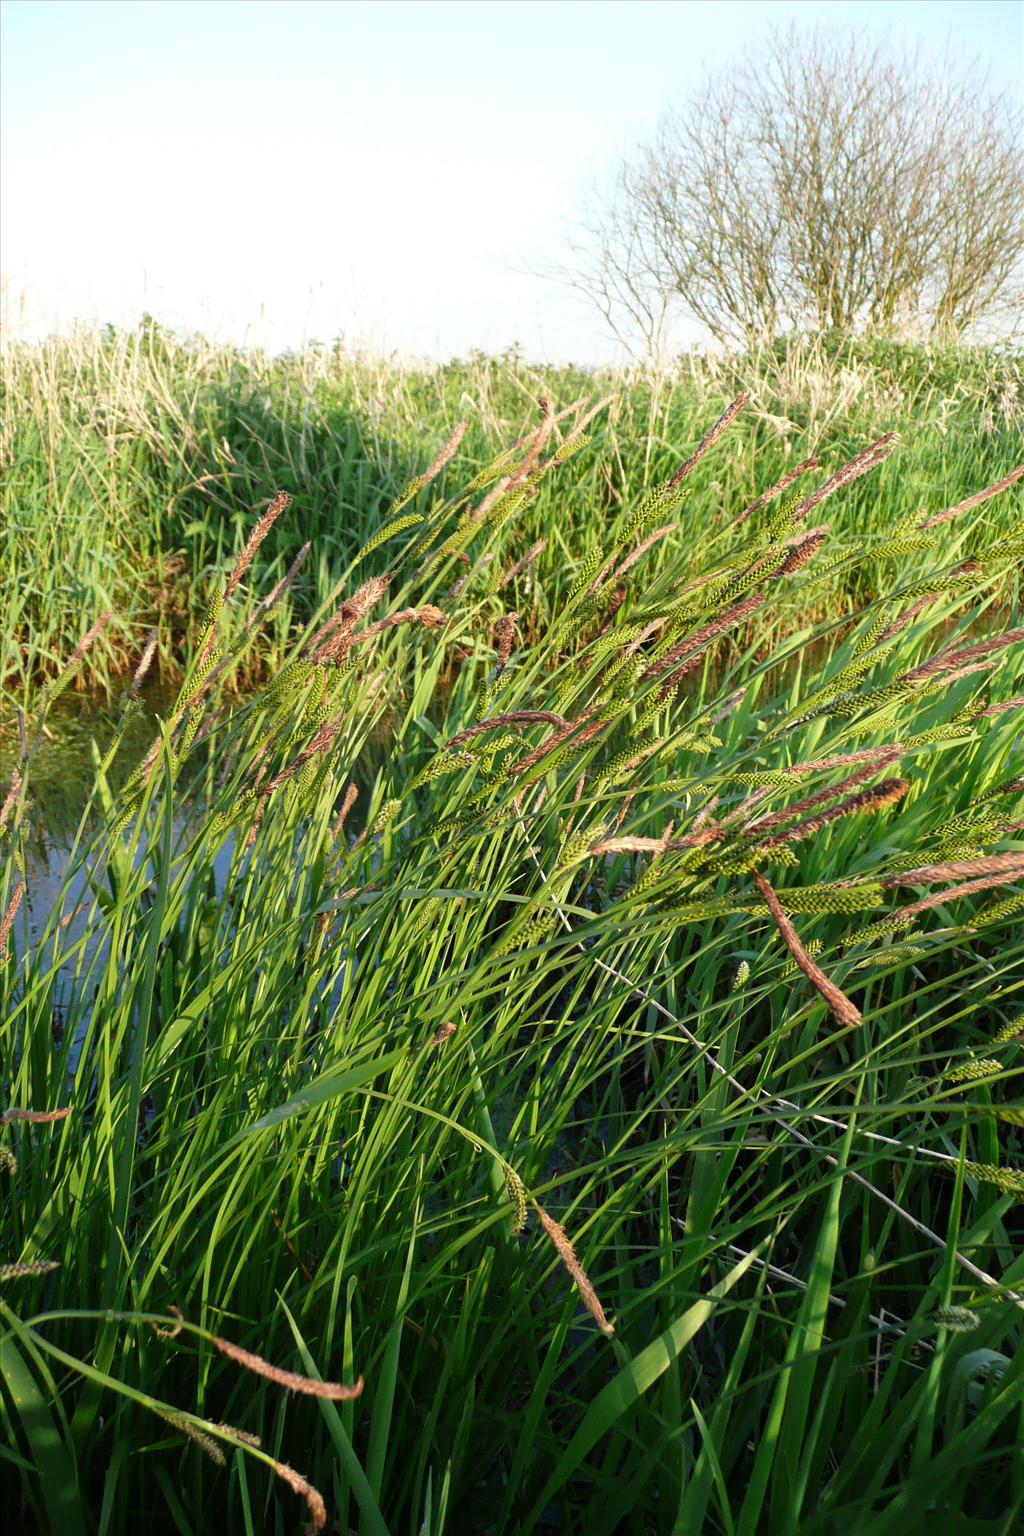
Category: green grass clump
<point>132,461</point>
<point>482,1153</point>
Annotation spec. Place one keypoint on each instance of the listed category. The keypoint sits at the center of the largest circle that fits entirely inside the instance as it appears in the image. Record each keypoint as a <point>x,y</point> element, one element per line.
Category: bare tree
<point>823,183</point>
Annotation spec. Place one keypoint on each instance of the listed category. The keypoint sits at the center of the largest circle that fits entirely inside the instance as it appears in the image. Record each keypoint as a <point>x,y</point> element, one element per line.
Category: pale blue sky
<point>392,171</point>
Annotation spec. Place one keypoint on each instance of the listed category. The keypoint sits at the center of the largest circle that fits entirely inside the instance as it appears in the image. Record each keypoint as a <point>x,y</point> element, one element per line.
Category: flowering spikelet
<point>8,1161</point>
<point>427,615</point>
<point>903,915</point>
<point>9,916</point>
<point>385,816</point>
<point>900,622</point>
<point>710,438</point>
<point>975,500</point>
<point>517,1195</point>
<point>799,555</point>
<point>1009,1180</point>
<point>830,898</point>
<point>279,504</point>
<point>568,1257</point>
<point>953,660</point>
<point>789,970</point>
<point>10,797</point>
<point>333,1390</point>
<point>1002,707</point>
<point>447,453</point>
<point>521,564</point>
<point>777,778</point>
<point>893,954</point>
<point>28,1270</point>
<point>969,1071</point>
<point>242,1435</point>
<point>868,763</point>
<point>388,530</point>
<point>956,1319</point>
<point>314,1501</point>
<point>331,640</point>
<point>859,465</point>
<point>742,976</point>
<point>514,482</point>
<point>616,601</point>
<point>445,762</point>
<point>515,717</point>
<point>505,630</point>
<point>703,636</point>
<point>206,1443</point>
<point>642,548</point>
<point>145,660</point>
<point>34,1116</point>
<point>842,1009</point>
<point>998,911</point>
<point>539,919</point>
<point>351,796</point>
<point>556,748</point>
<point>955,869</point>
<point>777,489</point>
<point>874,799</point>
<point>79,652</point>
<point>274,596</point>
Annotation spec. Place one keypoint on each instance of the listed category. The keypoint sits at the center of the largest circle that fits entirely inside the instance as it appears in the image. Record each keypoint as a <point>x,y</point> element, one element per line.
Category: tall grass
<point>132,462</point>
<point>618,1125</point>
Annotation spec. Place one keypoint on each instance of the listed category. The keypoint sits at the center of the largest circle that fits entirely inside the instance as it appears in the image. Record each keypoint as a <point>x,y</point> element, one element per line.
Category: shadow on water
<point>63,818</point>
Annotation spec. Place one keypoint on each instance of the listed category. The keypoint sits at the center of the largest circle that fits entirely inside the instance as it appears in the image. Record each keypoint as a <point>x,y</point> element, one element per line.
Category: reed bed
<point>131,462</point>
<point>610,1117</point>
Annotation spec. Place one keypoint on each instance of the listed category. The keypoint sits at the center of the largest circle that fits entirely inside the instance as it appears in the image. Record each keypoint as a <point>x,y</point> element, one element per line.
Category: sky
<point>398,173</point>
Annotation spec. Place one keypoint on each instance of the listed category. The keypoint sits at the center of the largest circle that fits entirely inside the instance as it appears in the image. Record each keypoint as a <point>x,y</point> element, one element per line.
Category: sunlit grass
<point>322,1079</point>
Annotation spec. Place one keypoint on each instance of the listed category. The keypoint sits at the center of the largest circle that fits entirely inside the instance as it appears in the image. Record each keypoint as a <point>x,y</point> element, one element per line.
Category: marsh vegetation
<point>537,1042</point>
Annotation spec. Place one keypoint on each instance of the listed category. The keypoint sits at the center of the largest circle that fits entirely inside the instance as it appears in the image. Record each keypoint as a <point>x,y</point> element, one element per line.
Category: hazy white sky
<point>391,171</point>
